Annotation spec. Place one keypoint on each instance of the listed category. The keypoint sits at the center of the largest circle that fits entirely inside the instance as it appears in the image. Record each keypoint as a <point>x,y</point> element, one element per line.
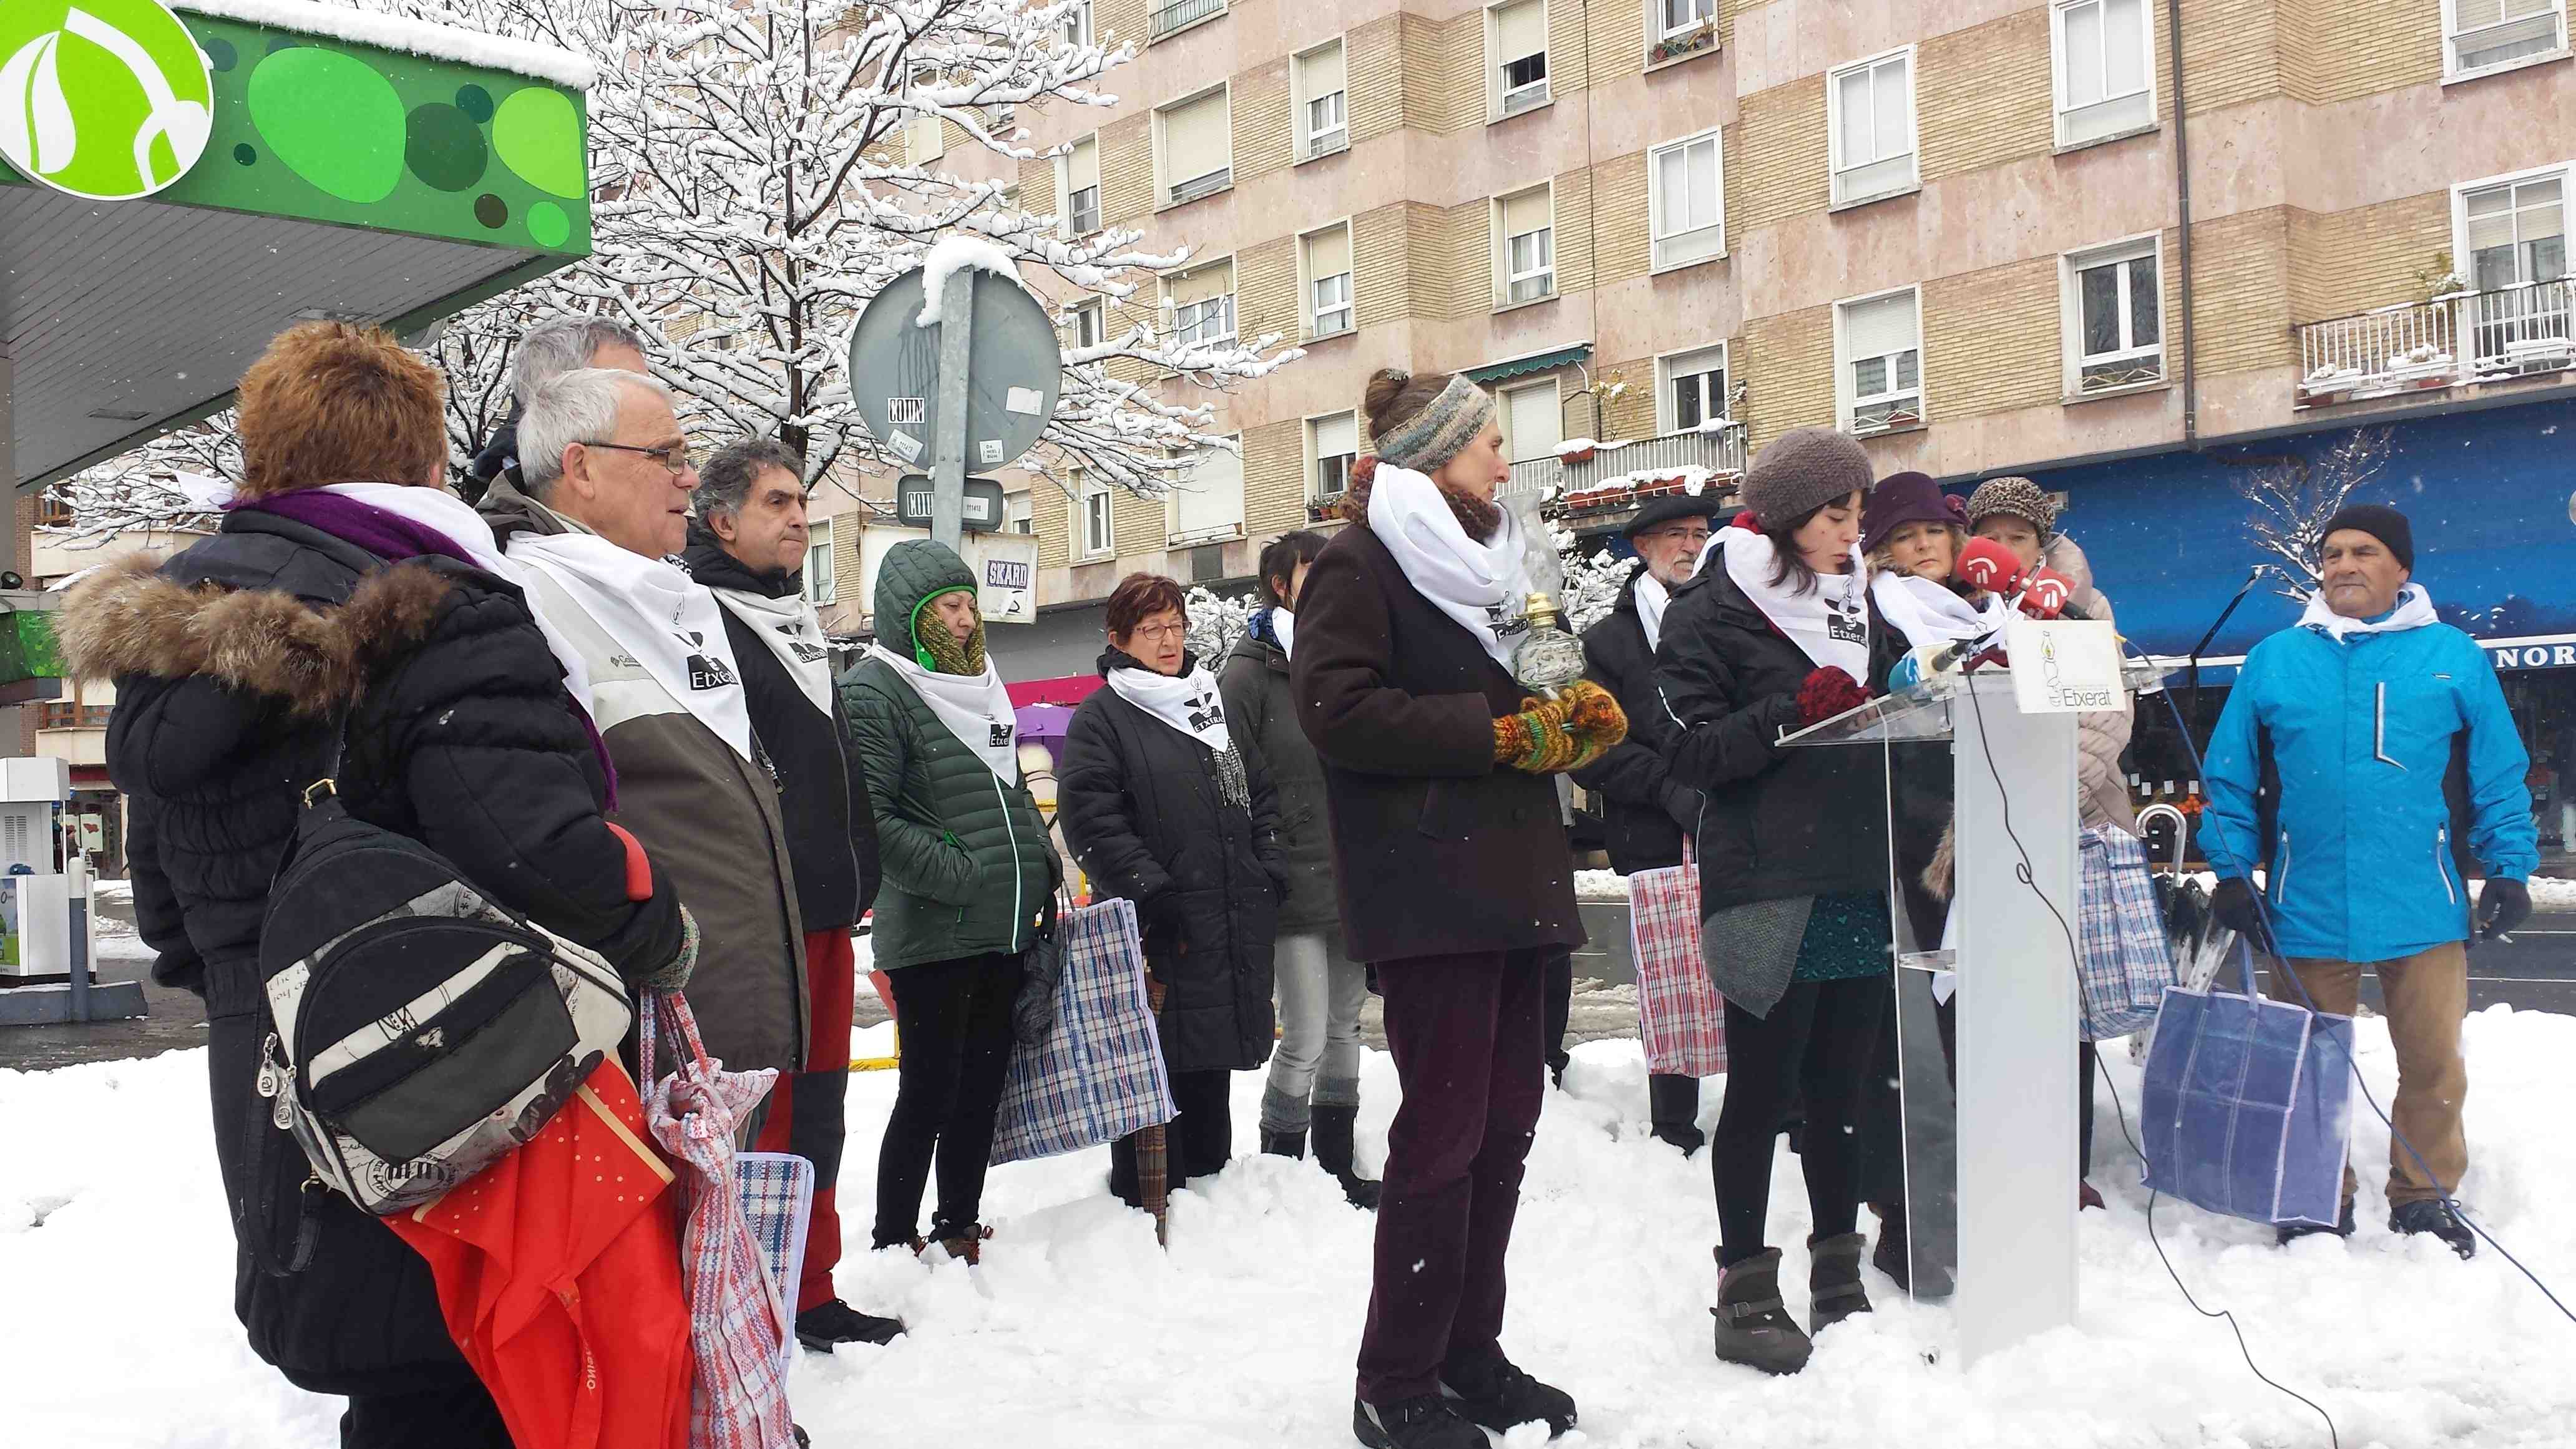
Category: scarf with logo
<point>976,708</point>
<point>1829,622</point>
<point>1188,702</point>
<point>1483,586</point>
<point>664,620</point>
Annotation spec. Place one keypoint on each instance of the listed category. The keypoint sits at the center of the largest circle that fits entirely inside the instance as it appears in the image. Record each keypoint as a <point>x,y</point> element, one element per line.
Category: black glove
<point>2235,906</point>
<point>2503,903</point>
<point>1681,804</point>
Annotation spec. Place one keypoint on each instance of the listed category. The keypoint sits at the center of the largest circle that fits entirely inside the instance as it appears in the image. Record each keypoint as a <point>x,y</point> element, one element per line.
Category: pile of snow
<point>1078,1330</point>
<point>408,36</point>
<point>952,254</point>
<point>1600,885</point>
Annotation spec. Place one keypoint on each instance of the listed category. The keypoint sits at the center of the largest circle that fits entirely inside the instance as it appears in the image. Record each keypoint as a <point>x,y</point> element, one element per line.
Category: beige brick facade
<point>1984,96</point>
<point>1265,290</point>
<point>1126,171</point>
<point>2351,261</point>
<point>1274,482</point>
<point>1788,366</point>
<point>2231,52</point>
<point>1382,266</point>
<point>1115,20</point>
<point>1783,161</point>
<point>1625,250</point>
<point>1990,340</point>
<point>1260,113</point>
<point>1371,56</point>
<point>2241,291</point>
<point>1631,413</point>
<point>2341,50</point>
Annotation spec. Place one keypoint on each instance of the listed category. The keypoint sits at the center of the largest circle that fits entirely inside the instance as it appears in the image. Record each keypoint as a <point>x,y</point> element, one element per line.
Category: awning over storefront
<point>1494,372</point>
<point>179,185</point>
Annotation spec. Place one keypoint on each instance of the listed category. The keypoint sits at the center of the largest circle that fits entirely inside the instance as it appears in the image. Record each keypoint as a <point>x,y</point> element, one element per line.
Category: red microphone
<point>1988,565</point>
<point>2045,592</point>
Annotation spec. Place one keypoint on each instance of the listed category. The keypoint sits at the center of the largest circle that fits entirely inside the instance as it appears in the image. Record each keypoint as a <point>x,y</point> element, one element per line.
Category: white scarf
<point>2414,610</point>
<point>656,613</point>
<point>1284,625</point>
<point>1652,598</point>
<point>1187,702</point>
<point>792,631</point>
<point>1925,612</point>
<point>976,708</point>
<point>1830,622</point>
<point>1483,586</point>
<point>456,519</point>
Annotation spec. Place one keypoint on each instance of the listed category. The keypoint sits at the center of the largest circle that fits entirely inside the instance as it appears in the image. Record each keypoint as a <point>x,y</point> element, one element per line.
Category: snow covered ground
<point>1078,1331</point>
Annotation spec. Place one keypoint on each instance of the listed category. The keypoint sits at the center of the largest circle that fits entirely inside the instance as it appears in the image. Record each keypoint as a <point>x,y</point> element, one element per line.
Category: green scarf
<point>947,655</point>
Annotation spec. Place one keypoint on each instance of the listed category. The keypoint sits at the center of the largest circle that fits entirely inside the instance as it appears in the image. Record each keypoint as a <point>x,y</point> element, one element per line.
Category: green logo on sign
<point>107,99</point>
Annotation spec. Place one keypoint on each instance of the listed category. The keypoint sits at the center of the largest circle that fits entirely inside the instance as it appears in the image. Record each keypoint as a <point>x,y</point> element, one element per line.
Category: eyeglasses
<point>674,457</point>
<point>1159,633</point>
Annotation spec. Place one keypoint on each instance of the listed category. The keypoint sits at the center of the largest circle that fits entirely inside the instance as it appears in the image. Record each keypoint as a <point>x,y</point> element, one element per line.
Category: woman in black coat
<point>1161,807</point>
<point>233,662</point>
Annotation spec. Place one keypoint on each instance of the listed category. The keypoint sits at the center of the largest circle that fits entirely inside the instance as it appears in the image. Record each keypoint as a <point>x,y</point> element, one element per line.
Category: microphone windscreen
<point>1988,565</point>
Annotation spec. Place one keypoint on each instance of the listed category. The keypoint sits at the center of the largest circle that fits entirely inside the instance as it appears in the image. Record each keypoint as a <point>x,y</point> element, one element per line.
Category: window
<point>1694,389</point>
<point>1206,504</point>
<point>2106,73</point>
<point>1532,420</point>
<point>923,142</point>
<point>1099,536</point>
<point>1332,446</point>
<point>1203,304</point>
<point>1516,51</point>
<point>1322,102</point>
<point>1088,328</point>
<point>1077,25</point>
<point>1870,125</point>
<point>820,585</point>
<point>1179,14</point>
<point>1878,340</point>
<point>2114,317</point>
<point>2488,34</point>
<point>1327,267</point>
<point>1195,142</point>
<point>1680,16</point>
<point>1687,201</point>
<point>2515,234</point>
<point>1525,247</point>
<point>1078,179</point>
<point>1019,513</point>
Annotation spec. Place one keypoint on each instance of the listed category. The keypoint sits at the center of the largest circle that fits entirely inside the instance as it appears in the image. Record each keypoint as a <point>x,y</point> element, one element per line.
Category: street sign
<point>914,500</point>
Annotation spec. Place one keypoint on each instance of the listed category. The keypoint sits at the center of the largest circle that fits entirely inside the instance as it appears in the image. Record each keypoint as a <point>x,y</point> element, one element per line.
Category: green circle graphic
<point>332,119</point>
<point>104,99</point>
<point>444,148</point>
<point>548,224</point>
<point>538,135</point>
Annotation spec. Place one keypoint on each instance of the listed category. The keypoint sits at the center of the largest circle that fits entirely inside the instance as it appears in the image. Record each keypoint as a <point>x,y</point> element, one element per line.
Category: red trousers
<point>807,1109</point>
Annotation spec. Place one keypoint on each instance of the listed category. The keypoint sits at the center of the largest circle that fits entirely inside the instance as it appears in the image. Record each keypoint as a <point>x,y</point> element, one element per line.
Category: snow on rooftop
<point>411,37</point>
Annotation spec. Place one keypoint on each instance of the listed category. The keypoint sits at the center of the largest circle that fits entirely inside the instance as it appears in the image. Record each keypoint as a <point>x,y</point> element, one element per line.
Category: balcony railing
<point>2465,338</point>
<point>1172,17</point>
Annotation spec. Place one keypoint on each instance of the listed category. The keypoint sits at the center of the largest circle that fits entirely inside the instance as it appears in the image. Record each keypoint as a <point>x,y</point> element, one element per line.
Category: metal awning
<point>1494,372</point>
<point>308,161</point>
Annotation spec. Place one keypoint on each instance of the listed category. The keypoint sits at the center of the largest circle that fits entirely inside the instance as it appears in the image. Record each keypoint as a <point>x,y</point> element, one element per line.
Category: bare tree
<point>2292,500</point>
<point>166,483</point>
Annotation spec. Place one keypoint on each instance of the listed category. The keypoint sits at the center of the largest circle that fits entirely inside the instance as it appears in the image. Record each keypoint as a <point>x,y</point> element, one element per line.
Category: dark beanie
<point>1801,471</point>
<point>2379,521</point>
<point>1900,499</point>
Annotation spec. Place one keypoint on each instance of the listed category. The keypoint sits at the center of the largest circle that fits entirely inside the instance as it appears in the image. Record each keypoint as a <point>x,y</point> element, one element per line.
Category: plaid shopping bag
<point>1099,1074</point>
<point>2127,960</point>
<point>777,1194</point>
<point>741,1331</point>
<point>2246,1108</point>
<point>1678,1009</point>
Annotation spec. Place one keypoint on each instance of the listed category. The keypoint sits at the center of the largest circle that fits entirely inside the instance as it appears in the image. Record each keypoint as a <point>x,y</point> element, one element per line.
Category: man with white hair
<point>548,351</point>
<point>604,506</point>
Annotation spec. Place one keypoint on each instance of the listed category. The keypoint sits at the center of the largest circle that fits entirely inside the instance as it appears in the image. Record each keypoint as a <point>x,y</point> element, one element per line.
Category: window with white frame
<point>1320,93</point>
<point>2487,34</point>
<point>1693,390</point>
<point>1019,513</point>
<point>1869,125</point>
<point>923,141</point>
<point>1099,531</point>
<point>1524,228</point>
<point>1532,420</point>
<point>1194,144</point>
<point>2114,317</point>
<point>1681,16</point>
<point>1326,264</point>
<point>2514,233</point>
<point>1206,503</point>
<point>2106,73</point>
<point>1078,182</point>
<point>1202,302</point>
<point>820,585</point>
<point>1878,342</point>
<point>1077,25</point>
<point>1332,448</point>
<point>1515,57</point>
<point>1089,328</point>
<point>1687,199</point>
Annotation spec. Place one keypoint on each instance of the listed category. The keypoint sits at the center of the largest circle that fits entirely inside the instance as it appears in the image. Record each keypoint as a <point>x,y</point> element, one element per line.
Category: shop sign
<point>103,99</point>
<point>2533,656</point>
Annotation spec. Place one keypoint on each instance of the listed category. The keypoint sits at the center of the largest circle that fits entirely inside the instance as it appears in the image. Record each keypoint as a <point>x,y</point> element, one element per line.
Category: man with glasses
<point>604,506</point>
<point>1646,813</point>
<point>548,351</point>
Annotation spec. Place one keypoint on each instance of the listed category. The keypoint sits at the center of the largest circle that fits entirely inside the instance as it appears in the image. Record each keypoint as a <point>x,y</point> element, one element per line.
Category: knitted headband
<point>1441,431</point>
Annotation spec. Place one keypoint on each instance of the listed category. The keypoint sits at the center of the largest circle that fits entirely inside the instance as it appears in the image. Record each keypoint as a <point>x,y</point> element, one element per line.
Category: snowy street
<point>1077,1331</point>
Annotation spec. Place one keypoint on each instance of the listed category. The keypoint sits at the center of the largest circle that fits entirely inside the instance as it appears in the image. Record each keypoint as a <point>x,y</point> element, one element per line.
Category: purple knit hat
<point>1900,499</point>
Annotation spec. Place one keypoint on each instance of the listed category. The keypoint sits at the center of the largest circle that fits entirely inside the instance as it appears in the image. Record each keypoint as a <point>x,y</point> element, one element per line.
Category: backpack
<point>418,1030</point>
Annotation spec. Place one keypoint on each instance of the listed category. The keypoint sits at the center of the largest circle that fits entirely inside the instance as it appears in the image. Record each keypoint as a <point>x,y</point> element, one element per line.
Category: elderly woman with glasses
<point>1165,803</point>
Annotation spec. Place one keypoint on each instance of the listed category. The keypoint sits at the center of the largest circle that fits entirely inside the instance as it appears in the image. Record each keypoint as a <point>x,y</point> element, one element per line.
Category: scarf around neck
<point>794,633</point>
<point>1829,622</point>
<point>1188,702</point>
<point>669,624</point>
<point>1928,613</point>
<point>1283,627</point>
<point>2414,610</point>
<point>1483,586</point>
<point>976,708</point>
<point>1652,599</point>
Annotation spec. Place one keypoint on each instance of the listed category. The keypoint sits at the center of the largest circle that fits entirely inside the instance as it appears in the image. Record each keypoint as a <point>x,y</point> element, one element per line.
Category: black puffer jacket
<point>229,662</point>
<point>1143,813</point>
<point>1263,715</point>
<point>1646,809</point>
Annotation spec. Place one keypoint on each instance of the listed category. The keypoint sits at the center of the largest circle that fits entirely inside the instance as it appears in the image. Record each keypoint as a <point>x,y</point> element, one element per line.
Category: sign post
<point>948,450</point>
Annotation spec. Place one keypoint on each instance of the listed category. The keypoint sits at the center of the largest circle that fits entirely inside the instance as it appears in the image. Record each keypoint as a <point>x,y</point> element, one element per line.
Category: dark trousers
<point>1198,1142</point>
<point>459,1415</point>
<point>807,1109</point>
<point>1671,1101</point>
<point>1466,1035</point>
<point>1822,1039</point>
<point>2085,1072</point>
<point>953,1020</point>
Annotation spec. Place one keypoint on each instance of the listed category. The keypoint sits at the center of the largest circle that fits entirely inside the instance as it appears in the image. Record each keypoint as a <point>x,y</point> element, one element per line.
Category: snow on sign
<point>108,100</point>
<point>1014,364</point>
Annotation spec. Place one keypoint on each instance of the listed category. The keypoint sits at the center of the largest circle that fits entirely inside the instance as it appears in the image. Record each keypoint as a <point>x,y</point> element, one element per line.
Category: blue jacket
<point>2388,742</point>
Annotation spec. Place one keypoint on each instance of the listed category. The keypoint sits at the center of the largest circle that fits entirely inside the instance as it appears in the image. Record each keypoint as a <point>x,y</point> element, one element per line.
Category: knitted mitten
<point>1535,739</point>
<point>674,974</point>
<point>1595,720</point>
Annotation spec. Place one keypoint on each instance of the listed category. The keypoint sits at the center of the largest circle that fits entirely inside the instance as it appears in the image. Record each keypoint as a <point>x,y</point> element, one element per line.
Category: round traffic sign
<point>1014,371</point>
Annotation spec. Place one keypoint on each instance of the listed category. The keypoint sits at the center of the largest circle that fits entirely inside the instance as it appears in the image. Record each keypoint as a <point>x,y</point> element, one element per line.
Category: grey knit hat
<point>1801,471</point>
<point>2016,498</point>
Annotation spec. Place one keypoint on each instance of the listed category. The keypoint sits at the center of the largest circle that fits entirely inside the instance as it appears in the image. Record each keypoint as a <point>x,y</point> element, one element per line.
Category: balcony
<point>2453,341</point>
<point>1591,490</point>
<point>1169,18</point>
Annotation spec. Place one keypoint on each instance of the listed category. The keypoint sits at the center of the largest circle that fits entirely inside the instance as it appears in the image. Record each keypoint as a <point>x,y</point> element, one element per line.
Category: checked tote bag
<point>1098,1075</point>
<point>1679,1011</point>
<point>2127,961</point>
<point>2247,1105</point>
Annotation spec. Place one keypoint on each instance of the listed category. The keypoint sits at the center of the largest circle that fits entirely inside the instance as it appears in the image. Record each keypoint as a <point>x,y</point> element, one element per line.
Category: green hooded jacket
<point>968,869</point>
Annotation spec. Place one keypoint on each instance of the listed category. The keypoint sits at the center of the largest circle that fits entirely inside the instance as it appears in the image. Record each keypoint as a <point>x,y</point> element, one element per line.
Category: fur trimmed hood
<point>131,618</point>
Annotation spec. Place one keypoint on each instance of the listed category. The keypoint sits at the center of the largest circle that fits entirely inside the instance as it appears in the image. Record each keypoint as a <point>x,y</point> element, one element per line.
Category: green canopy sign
<point>104,99</point>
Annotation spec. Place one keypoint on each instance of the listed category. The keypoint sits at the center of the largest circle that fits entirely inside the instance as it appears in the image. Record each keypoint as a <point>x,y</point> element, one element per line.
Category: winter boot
<point>2343,1229</point>
<point>964,1241</point>
<point>1333,1127</point>
<point>2088,1196</point>
<point>2431,1215</point>
<point>1425,1421</point>
<point>1834,1290</point>
<point>833,1321</point>
<point>1892,1256</point>
<point>1753,1328</point>
<point>1283,1144</point>
<point>1500,1397</point>
<point>1684,1135</point>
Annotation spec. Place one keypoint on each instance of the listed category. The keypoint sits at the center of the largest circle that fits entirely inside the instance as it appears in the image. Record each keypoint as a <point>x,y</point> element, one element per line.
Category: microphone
<point>2045,592</point>
<point>1930,661</point>
<point>1988,565</point>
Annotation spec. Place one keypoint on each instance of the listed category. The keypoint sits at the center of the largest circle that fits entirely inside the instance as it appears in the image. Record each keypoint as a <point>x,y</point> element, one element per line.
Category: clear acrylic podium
<point>1990,1114</point>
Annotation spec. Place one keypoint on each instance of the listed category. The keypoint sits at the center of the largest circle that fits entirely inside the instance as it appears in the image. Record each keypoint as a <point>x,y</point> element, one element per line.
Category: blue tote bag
<point>2247,1104</point>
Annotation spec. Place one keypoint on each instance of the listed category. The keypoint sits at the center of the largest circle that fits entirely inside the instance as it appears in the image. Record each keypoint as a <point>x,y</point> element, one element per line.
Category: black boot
<point>825,1324</point>
<point>1332,1129</point>
<point>1892,1256</point>
<point>1753,1328</point>
<point>1423,1422</point>
<point>2342,1229</point>
<point>1500,1397</point>
<point>2432,1215</point>
<point>1834,1290</point>
<point>1283,1144</point>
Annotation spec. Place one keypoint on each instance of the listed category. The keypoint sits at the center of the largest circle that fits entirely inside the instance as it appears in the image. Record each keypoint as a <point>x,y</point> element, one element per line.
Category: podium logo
<point>104,99</point>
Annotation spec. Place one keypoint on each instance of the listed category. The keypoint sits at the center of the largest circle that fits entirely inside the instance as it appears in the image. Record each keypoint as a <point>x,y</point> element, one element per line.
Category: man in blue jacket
<point>2395,760</point>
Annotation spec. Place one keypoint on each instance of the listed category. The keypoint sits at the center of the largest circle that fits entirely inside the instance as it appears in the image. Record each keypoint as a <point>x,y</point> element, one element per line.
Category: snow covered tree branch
<point>1592,581</point>
<point>2292,500</point>
<point>169,482</point>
